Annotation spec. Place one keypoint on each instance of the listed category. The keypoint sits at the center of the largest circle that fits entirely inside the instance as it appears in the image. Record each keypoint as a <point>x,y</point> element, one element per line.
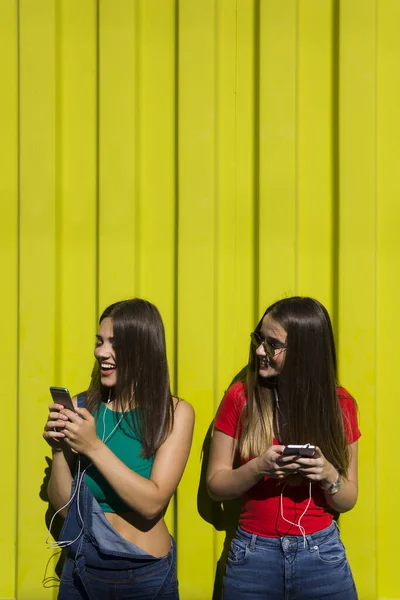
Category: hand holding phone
<point>53,431</point>
<point>299,450</point>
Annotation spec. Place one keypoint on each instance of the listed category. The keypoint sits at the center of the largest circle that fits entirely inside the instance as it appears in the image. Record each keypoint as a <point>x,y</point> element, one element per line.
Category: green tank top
<point>127,446</point>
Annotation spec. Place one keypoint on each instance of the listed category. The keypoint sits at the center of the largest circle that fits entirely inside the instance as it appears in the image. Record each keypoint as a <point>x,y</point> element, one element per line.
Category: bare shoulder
<point>183,411</point>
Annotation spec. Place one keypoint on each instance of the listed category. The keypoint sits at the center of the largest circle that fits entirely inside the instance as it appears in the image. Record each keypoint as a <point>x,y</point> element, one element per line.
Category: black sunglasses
<point>271,347</point>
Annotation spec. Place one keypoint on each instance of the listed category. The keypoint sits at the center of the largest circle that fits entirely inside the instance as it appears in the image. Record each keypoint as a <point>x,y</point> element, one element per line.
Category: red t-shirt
<point>261,511</point>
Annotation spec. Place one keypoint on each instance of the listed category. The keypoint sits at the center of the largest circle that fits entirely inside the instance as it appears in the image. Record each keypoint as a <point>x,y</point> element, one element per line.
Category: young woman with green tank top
<point>117,460</point>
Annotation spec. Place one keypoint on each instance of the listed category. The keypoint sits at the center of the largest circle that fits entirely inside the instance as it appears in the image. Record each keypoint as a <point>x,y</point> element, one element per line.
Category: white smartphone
<point>62,396</point>
<point>295,449</point>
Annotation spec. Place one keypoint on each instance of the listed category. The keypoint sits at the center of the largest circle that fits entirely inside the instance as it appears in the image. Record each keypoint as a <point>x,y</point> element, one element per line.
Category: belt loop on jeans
<point>336,525</point>
<point>252,543</point>
<point>310,543</point>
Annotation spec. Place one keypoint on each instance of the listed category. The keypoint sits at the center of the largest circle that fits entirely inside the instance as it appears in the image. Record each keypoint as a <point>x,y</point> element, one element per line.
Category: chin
<point>108,383</point>
<point>267,373</point>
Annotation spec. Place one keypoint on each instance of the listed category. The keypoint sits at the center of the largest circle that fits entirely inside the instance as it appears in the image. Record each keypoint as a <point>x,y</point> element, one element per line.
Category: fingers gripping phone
<point>295,450</point>
<point>62,396</point>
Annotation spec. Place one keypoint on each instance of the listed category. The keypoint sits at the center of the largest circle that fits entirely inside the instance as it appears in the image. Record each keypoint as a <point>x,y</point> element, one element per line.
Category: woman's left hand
<point>317,468</point>
<point>80,431</point>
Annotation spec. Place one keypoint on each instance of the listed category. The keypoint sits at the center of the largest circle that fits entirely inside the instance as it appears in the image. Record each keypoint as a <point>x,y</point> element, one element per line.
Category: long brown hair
<point>143,376</point>
<point>308,409</point>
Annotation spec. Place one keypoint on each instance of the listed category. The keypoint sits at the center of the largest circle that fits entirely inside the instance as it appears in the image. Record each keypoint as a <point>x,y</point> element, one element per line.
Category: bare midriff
<point>152,536</point>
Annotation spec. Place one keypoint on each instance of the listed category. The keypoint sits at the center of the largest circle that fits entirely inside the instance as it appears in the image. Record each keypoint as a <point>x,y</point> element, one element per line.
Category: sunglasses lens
<point>269,349</point>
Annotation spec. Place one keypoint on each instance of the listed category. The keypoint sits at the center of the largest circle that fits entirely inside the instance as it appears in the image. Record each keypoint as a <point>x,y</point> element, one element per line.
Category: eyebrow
<point>100,338</point>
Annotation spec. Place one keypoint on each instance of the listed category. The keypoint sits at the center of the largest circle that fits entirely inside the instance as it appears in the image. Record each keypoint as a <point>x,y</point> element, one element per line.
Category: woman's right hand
<point>272,463</point>
<point>53,433</point>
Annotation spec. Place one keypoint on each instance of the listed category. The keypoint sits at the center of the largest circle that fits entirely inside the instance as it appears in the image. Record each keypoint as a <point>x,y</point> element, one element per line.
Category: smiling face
<point>276,336</point>
<point>105,353</point>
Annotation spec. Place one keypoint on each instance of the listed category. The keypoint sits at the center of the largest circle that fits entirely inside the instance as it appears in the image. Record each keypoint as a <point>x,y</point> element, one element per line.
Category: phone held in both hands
<point>299,450</point>
<point>62,396</point>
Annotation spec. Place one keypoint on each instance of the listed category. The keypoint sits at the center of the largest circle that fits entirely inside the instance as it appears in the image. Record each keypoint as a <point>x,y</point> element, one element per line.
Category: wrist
<point>95,449</point>
<point>332,483</point>
<point>330,477</point>
<point>58,451</point>
<point>256,468</point>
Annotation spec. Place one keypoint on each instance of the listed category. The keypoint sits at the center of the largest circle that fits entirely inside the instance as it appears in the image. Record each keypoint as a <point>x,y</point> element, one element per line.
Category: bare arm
<point>59,485</point>
<point>225,483</point>
<point>345,499</point>
<point>146,496</point>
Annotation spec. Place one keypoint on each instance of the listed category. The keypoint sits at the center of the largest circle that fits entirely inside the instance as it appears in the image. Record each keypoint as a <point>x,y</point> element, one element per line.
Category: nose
<point>260,351</point>
<point>104,352</point>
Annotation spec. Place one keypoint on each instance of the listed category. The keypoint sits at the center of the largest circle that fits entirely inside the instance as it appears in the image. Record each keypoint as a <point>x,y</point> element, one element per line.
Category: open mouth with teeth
<point>107,368</point>
<point>264,363</point>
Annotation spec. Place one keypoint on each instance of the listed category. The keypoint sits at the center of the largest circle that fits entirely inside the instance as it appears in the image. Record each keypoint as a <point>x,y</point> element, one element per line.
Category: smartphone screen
<point>61,396</point>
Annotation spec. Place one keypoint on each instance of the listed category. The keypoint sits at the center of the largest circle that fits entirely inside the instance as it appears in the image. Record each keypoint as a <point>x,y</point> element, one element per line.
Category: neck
<point>268,382</point>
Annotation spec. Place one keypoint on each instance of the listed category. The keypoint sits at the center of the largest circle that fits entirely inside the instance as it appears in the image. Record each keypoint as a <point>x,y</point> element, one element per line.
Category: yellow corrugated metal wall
<point>212,156</point>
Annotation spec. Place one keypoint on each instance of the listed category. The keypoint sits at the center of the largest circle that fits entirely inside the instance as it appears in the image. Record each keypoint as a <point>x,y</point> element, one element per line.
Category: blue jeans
<point>284,569</point>
<point>151,580</point>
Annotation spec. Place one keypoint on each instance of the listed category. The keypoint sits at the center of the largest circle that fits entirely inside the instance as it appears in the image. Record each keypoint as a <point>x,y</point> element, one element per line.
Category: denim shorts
<point>288,568</point>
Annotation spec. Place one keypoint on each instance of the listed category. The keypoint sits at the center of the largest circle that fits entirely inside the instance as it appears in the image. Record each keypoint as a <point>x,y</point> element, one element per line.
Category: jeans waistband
<point>315,539</point>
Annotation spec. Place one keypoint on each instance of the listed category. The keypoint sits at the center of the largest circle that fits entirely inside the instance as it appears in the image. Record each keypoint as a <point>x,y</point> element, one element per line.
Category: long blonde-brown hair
<point>308,409</point>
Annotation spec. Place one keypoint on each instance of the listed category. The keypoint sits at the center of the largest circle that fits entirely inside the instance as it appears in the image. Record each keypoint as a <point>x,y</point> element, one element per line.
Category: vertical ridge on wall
<point>37,281</point>
<point>335,172</point>
<point>234,279</point>
<point>196,265</point>
<point>176,199</point>
<point>9,99</point>
<point>224,240</point>
<point>256,158</point>
<point>98,163</point>
<point>119,82</point>
<point>388,261</point>
<point>277,218</point>
<point>175,251</point>
<point>244,295</point>
<point>156,166</point>
<point>76,194</point>
<point>314,152</point>
<point>357,256</point>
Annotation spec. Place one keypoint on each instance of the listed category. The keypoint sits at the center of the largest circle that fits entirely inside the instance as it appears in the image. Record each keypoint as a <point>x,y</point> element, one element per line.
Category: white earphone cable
<point>79,479</point>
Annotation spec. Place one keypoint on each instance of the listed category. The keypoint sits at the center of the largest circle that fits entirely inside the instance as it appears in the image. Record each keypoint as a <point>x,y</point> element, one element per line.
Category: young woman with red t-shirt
<point>287,544</point>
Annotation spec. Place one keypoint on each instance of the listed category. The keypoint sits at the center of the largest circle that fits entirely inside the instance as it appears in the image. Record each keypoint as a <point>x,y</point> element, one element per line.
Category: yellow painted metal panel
<point>277,150</point>
<point>316,120</point>
<point>38,260</point>
<point>117,150</point>
<point>156,171</point>
<point>196,272</point>
<point>156,168</point>
<point>245,293</point>
<point>357,256</point>
<point>388,261</point>
<point>76,209</point>
<point>9,300</point>
<point>234,191</point>
<point>225,343</point>
<point>285,125</point>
